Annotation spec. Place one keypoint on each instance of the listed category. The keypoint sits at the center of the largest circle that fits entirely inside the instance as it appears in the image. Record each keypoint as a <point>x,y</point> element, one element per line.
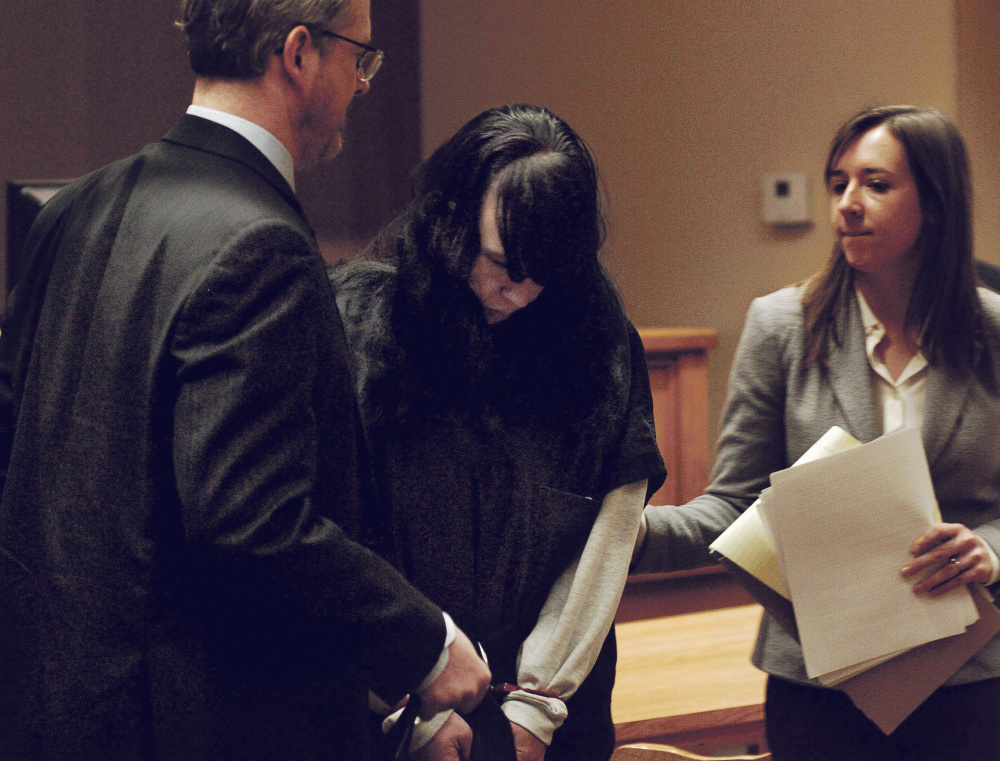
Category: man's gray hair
<point>235,38</point>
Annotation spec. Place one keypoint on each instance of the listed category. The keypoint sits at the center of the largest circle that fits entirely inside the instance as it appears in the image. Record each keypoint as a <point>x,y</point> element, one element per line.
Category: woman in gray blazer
<point>891,332</point>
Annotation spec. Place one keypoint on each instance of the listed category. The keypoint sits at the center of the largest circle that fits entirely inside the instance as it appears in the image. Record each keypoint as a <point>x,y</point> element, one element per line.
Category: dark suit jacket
<point>177,579</point>
<point>779,405</point>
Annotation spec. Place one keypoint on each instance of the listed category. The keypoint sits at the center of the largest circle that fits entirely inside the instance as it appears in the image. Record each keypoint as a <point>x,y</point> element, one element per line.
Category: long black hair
<point>558,350</point>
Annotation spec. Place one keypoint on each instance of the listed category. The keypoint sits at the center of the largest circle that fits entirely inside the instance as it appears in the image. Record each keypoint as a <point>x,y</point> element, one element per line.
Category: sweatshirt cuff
<point>540,715</point>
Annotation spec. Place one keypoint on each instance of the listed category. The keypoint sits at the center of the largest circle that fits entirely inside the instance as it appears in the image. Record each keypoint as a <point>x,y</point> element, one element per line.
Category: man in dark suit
<point>178,572</point>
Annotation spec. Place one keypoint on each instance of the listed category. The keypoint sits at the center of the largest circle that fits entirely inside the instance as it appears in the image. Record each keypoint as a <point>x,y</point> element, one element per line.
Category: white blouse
<point>901,402</point>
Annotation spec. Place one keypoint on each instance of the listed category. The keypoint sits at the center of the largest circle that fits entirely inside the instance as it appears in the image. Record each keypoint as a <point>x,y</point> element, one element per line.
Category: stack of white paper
<point>842,527</point>
<point>747,541</point>
<point>844,522</point>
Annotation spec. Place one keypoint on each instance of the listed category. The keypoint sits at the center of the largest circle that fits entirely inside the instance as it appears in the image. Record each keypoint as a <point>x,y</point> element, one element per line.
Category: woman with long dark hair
<point>891,332</point>
<point>506,404</point>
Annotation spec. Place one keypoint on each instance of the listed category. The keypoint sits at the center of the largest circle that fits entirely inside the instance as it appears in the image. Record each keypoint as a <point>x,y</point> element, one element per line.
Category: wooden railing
<point>678,377</point>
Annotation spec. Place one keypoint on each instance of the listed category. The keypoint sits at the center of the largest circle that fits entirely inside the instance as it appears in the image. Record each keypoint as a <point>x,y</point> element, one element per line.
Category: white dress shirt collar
<point>874,333</point>
<point>261,139</point>
<point>900,402</point>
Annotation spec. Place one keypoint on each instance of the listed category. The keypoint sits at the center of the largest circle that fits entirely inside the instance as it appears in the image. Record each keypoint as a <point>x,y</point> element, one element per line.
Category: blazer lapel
<point>850,377</point>
<point>947,391</point>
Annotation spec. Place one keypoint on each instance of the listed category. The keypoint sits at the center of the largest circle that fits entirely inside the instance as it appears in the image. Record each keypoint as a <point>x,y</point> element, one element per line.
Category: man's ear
<point>296,51</point>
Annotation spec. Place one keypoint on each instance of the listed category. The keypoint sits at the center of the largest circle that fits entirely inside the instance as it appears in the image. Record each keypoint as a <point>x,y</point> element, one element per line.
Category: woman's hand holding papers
<point>956,556</point>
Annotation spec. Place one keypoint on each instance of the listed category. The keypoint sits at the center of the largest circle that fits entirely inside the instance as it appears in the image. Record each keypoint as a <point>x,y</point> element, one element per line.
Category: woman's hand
<point>453,742</point>
<point>957,555</point>
<point>529,747</point>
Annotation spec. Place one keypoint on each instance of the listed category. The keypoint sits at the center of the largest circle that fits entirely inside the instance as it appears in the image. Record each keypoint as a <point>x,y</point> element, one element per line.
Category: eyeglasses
<point>368,63</point>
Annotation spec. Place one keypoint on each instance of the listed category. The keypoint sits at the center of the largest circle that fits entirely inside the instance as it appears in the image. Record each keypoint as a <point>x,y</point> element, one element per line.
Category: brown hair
<point>235,38</point>
<point>944,310</point>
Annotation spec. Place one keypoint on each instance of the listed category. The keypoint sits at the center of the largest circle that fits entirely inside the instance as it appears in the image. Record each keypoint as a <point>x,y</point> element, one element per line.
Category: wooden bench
<point>687,680</point>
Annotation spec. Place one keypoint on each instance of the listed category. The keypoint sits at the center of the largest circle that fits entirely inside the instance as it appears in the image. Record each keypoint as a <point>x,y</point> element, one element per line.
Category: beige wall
<point>978,23</point>
<point>686,104</point>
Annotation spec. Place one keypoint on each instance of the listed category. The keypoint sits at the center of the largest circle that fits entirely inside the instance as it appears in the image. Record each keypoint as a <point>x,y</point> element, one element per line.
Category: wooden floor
<point>688,676</point>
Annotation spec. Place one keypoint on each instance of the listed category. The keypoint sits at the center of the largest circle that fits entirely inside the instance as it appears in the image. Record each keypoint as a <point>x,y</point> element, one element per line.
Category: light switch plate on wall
<point>785,198</point>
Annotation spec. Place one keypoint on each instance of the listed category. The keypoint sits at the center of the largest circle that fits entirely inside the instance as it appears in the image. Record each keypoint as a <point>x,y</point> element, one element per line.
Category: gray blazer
<point>778,406</point>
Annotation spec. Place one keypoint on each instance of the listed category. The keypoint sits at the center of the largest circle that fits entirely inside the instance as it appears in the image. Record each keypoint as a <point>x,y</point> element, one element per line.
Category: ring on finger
<point>955,562</point>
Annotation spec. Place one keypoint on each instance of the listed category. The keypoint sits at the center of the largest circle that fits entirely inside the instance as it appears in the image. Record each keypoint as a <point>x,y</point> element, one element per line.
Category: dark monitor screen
<point>25,198</point>
<point>989,275</point>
